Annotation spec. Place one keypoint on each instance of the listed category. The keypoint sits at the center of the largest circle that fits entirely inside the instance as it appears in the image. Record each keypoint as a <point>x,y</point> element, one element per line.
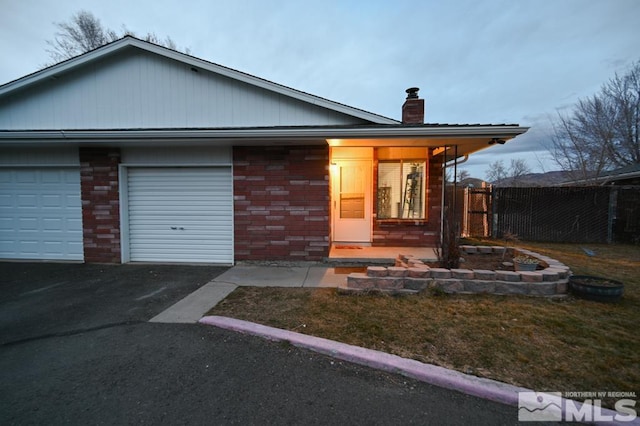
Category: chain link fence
<point>553,214</point>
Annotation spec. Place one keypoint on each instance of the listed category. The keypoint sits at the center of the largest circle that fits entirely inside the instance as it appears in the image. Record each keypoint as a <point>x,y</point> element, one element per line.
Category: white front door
<point>351,201</point>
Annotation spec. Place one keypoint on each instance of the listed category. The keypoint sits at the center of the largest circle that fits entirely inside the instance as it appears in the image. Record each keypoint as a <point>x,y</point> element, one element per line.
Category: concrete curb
<point>471,385</point>
<point>439,376</point>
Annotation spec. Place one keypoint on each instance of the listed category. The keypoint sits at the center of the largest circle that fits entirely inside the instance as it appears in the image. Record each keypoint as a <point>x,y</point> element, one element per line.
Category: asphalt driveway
<point>40,299</point>
<point>77,349</point>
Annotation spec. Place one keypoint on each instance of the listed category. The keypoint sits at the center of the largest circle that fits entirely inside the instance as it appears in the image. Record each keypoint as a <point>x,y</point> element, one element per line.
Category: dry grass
<point>543,344</point>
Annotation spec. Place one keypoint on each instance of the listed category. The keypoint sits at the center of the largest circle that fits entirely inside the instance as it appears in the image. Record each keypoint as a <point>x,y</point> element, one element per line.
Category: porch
<point>361,254</point>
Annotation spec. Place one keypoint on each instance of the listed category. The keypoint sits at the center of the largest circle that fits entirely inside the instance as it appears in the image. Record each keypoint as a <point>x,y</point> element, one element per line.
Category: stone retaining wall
<point>412,276</point>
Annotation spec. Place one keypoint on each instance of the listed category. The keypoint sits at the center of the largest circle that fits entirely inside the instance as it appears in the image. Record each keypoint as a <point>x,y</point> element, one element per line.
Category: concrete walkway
<point>350,254</point>
<point>283,276</point>
<point>194,306</point>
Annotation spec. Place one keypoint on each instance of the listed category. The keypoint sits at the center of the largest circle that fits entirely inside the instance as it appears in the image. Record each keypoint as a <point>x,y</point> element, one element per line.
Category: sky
<point>488,61</point>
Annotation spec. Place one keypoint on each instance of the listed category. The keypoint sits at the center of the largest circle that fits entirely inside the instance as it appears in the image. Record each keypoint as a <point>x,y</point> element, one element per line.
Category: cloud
<point>493,61</point>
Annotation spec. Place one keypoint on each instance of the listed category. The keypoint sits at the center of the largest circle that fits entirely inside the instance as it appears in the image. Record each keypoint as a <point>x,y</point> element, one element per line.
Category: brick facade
<point>281,205</point>
<point>281,202</point>
<point>100,204</point>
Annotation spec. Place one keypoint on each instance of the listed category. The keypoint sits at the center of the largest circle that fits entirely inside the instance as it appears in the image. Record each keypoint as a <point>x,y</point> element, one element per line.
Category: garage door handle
<point>174,227</point>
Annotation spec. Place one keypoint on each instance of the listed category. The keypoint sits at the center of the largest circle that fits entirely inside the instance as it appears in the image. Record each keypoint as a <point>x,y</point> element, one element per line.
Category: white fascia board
<point>54,70</point>
<point>268,133</point>
<point>100,52</point>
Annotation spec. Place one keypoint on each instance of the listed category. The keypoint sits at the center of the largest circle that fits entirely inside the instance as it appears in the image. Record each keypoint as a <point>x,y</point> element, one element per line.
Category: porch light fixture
<point>497,140</point>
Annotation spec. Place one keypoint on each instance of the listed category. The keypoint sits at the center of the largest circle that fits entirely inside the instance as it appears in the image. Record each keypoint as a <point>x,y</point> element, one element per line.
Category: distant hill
<point>536,179</point>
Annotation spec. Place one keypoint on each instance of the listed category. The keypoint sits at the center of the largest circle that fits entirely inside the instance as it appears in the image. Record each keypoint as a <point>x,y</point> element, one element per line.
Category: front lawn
<point>544,344</point>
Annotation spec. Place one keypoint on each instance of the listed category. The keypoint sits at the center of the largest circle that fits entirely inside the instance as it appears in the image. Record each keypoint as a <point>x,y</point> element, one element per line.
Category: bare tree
<point>463,174</point>
<point>624,93</point>
<point>84,32</point>
<point>499,174</point>
<point>517,170</point>
<point>153,38</point>
<point>601,132</point>
<point>496,172</point>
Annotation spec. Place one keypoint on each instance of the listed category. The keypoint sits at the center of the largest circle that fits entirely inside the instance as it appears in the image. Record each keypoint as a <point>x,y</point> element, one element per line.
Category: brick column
<point>434,193</point>
<point>100,204</point>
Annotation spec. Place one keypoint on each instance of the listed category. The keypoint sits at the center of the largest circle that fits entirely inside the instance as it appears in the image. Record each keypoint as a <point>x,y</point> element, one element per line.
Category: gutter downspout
<point>444,184</point>
<point>464,160</point>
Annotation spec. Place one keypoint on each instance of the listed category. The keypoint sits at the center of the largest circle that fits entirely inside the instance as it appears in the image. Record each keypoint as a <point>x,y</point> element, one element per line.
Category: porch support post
<point>443,195</point>
<point>444,189</point>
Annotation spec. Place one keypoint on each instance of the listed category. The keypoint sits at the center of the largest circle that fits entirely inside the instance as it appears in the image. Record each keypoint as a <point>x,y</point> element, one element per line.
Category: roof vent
<point>412,92</point>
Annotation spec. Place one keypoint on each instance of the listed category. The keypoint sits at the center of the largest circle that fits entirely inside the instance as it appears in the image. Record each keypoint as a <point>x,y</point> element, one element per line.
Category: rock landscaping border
<point>410,275</point>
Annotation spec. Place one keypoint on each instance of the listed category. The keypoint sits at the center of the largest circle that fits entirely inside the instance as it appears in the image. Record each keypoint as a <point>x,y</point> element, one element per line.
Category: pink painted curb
<point>439,376</point>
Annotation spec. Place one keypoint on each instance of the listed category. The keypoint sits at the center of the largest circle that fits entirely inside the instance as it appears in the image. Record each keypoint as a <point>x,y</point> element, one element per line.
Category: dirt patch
<point>489,261</point>
<point>346,270</point>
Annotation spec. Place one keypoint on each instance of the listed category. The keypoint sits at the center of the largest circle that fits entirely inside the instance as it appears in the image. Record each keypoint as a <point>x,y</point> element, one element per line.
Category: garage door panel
<point>180,214</point>
<point>27,200</point>
<point>54,201</point>
<point>40,214</point>
<point>6,223</point>
<point>187,240</point>
<point>210,229</point>
<point>29,247</point>
<point>26,224</point>
<point>25,176</point>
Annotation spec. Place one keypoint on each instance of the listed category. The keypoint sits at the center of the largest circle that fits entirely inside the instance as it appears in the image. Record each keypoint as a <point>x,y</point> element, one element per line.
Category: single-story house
<point>137,153</point>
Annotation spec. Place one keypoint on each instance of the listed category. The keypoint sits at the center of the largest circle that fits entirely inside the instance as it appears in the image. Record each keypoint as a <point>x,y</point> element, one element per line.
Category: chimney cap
<point>412,92</point>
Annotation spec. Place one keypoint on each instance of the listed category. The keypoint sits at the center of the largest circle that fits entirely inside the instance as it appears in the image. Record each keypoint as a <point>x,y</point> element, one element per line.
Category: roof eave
<point>297,133</point>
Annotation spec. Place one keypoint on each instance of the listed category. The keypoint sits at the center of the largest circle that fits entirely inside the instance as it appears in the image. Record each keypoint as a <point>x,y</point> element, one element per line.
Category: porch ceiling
<point>466,145</point>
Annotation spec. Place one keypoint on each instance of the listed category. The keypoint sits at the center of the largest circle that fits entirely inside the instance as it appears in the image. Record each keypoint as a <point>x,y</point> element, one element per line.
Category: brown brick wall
<point>281,202</point>
<point>100,204</point>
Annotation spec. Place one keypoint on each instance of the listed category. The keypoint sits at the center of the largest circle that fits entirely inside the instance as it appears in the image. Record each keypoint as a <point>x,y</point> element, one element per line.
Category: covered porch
<point>349,254</point>
<point>387,193</point>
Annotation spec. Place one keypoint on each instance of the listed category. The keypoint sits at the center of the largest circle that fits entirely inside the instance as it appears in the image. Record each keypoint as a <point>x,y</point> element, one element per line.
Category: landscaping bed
<point>545,277</point>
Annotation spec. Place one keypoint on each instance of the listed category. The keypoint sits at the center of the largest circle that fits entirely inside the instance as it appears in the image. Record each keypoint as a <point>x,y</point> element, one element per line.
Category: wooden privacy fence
<point>553,214</point>
<point>477,212</point>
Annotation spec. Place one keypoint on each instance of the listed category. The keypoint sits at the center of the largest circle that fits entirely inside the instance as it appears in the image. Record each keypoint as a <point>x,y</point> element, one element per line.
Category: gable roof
<point>99,98</point>
<point>128,42</point>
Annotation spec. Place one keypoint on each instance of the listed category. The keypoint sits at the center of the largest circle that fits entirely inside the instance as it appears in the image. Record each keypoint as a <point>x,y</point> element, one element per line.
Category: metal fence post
<point>494,211</point>
<point>613,208</point>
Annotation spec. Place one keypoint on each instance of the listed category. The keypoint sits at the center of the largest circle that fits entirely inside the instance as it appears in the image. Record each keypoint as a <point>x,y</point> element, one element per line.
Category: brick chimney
<point>413,108</point>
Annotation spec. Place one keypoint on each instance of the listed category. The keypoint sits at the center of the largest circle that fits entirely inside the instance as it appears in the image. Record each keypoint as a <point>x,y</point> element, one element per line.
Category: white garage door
<point>40,213</point>
<point>180,214</point>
